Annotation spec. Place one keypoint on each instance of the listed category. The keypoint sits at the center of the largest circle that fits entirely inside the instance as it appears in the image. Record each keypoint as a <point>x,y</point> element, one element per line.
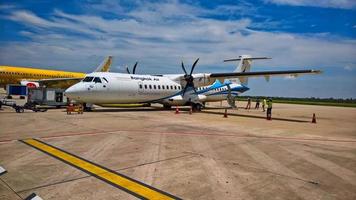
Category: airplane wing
<point>204,79</point>
<point>293,73</point>
<point>59,82</point>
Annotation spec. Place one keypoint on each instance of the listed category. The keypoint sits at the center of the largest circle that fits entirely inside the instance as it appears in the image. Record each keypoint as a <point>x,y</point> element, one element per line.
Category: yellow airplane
<point>32,77</point>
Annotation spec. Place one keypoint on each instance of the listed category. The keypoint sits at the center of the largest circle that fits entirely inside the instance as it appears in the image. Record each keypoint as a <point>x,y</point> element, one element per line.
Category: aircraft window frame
<point>105,79</point>
<point>88,79</point>
<point>97,80</point>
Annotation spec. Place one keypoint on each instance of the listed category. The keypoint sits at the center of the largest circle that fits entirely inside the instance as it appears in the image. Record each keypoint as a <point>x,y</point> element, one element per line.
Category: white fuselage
<point>123,88</point>
<point>112,88</point>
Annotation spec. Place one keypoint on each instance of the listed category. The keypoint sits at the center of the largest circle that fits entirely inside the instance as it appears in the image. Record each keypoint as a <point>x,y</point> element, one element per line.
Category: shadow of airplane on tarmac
<point>256,117</point>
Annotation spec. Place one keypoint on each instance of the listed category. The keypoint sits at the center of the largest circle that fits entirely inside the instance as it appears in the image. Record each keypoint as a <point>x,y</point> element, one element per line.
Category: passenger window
<point>140,86</point>
<point>171,87</point>
<point>145,86</point>
<point>154,86</point>
<point>175,87</point>
<point>97,80</point>
<point>150,86</point>
<point>159,87</point>
<point>162,87</point>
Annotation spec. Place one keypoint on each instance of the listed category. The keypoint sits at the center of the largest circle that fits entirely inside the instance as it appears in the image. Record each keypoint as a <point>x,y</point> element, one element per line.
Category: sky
<point>296,34</point>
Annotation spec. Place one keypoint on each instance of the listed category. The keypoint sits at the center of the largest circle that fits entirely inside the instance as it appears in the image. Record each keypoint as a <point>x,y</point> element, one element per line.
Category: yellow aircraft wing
<point>59,82</point>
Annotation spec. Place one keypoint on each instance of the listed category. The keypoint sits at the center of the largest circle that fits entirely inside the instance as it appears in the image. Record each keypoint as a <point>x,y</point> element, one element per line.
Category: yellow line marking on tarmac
<point>121,181</point>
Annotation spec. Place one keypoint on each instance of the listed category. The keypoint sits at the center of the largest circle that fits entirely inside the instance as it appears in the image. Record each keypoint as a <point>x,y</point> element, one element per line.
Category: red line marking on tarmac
<point>243,136</point>
<point>185,133</point>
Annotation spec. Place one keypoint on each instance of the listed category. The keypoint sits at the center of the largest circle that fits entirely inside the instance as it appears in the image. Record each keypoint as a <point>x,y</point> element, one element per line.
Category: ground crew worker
<point>257,103</point>
<point>264,102</point>
<point>248,106</point>
<point>269,109</point>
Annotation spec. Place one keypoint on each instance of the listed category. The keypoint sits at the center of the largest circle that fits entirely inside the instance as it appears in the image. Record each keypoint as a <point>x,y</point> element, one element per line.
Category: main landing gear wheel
<point>19,110</point>
<point>197,107</point>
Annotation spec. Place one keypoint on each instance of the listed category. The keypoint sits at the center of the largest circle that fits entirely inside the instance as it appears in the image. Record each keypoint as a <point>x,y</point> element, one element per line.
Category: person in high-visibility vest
<point>248,106</point>
<point>264,102</point>
<point>269,109</point>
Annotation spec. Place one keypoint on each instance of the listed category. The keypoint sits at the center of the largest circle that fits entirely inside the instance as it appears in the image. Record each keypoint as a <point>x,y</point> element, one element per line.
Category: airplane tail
<point>105,65</point>
<point>244,66</point>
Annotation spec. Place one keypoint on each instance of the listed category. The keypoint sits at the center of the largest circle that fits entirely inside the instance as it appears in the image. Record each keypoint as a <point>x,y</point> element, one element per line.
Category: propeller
<point>189,77</point>
<point>133,70</point>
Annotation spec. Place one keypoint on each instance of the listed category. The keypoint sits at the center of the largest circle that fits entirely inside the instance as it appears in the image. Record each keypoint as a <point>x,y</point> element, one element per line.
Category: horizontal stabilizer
<point>247,58</point>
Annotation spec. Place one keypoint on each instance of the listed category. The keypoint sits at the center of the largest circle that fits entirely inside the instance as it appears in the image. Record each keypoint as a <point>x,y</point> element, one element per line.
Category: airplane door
<point>140,87</point>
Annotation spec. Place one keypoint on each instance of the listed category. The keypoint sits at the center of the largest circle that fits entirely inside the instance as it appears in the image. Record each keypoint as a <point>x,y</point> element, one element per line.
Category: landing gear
<point>197,107</point>
<point>87,107</point>
<point>167,107</point>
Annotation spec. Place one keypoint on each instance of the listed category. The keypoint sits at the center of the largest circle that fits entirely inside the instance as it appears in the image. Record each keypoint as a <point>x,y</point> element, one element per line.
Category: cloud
<point>166,42</point>
<point>349,67</point>
<point>343,4</point>
<point>160,35</point>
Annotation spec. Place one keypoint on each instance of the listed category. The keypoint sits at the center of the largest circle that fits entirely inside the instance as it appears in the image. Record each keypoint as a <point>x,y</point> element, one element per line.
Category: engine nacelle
<point>30,84</point>
<point>180,101</point>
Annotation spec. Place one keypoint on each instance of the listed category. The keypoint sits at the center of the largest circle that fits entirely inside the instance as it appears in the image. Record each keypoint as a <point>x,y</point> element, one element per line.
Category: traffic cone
<point>177,110</point>
<point>225,114</point>
<point>191,110</point>
<point>314,119</point>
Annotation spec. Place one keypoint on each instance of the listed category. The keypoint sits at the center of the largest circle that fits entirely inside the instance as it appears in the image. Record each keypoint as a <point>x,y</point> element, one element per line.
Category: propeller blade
<point>134,68</point>
<point>185,88</point>
<point>128,71</point>
<point>184,68</point>
<point>191,71</point>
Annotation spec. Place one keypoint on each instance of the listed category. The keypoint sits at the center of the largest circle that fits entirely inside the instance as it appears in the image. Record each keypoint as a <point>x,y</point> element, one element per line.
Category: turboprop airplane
<point>173,89</point>
<point>32,77</point>
<point>229,89</point>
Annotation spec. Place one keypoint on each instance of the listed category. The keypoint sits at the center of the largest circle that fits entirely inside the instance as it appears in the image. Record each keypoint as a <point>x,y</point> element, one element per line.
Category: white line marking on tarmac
<point>2,170</point>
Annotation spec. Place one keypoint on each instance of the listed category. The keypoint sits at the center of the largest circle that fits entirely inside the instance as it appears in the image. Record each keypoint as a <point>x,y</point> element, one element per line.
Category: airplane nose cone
<point>71,92</point>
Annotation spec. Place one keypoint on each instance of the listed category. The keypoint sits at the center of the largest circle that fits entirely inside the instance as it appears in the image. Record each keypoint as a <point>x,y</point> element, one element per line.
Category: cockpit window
<point>88,79</point>
<point>97,80</point>
<point>105,80</point>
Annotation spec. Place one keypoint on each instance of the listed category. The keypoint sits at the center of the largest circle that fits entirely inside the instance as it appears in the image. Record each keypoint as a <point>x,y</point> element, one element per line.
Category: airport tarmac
<point>198,156</point>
